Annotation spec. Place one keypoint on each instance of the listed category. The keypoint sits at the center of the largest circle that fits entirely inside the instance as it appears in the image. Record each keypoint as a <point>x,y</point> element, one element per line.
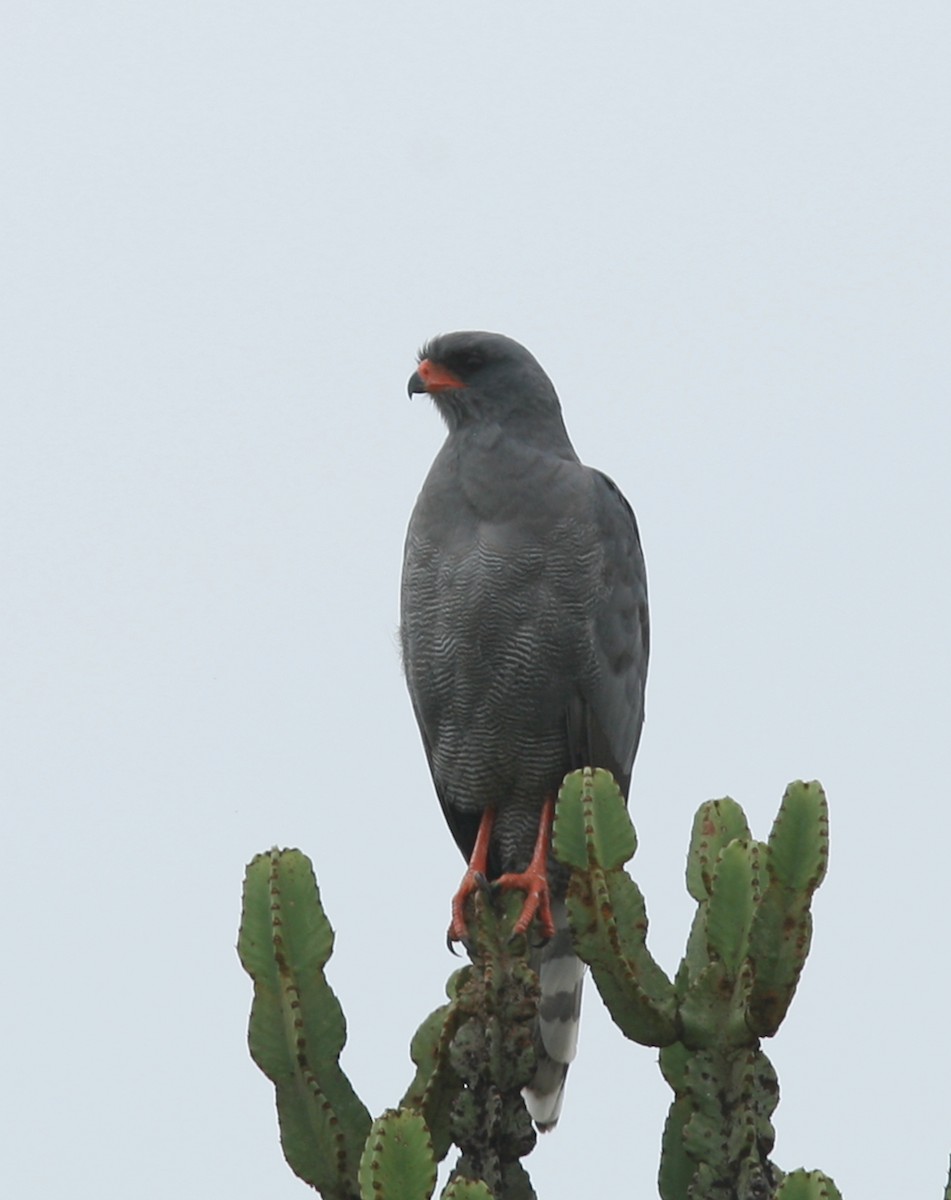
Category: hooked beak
<point>431,377</point>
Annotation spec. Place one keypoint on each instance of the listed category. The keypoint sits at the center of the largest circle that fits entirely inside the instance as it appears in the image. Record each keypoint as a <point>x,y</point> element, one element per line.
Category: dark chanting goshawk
<point>524,630</point>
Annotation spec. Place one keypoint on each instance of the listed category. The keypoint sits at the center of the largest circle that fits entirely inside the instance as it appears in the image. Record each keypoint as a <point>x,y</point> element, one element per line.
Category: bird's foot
<point>537,906</point>
<point>472,881</point>
<point>533,881</point>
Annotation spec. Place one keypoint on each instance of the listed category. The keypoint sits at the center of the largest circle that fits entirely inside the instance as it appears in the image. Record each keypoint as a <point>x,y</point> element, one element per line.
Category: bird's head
<point>484,377</point>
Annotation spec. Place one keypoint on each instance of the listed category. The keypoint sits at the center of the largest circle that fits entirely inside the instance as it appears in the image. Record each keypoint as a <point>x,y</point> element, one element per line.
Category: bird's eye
<point>470,360</point>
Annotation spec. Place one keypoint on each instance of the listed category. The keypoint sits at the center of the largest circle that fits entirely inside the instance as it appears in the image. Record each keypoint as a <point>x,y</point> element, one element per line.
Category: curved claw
<point>473,878</point>
<point>458,929</point>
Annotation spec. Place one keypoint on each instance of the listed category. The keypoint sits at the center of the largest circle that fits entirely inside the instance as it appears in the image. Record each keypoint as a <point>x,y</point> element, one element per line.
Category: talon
<point>537,906</point>
<point>458,929</point>
<point>475,877</point>
<point>533,881</point>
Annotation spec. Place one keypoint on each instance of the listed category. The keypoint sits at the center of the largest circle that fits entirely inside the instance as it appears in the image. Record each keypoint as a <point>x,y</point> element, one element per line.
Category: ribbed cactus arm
<point>297,1028</point>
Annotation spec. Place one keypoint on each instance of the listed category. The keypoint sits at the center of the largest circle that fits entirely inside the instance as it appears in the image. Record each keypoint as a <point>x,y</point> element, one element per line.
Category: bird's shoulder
<point>615,522</point>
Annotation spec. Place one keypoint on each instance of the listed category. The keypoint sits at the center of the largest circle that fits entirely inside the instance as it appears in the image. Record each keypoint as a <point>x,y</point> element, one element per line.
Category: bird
<point>525,638</point>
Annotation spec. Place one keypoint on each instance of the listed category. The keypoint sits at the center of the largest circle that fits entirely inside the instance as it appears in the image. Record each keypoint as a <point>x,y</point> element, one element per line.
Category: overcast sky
<point>723,229</point>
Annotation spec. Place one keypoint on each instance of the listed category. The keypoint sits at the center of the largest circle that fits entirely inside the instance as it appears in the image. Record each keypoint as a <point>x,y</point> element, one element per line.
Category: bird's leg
<point>474,878</point>
<point>533,881</point>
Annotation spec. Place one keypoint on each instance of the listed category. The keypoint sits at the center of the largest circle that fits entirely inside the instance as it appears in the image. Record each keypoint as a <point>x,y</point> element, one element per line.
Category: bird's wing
<point>604,722</point>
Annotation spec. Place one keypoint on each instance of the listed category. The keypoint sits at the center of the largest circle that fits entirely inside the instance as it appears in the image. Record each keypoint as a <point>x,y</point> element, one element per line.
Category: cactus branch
<point>297,1028</point>
<point>492,1050</point>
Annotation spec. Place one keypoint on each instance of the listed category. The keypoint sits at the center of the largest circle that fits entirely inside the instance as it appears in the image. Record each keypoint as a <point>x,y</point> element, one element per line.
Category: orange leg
<point>473,878</point>
<point>533,881</point>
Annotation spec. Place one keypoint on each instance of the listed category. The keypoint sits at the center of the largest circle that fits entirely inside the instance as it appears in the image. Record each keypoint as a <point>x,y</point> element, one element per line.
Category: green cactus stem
<point>466,1189</point>
<point>398,1158</point>
<point>492,1051</point>
<point>716,824</point>
<point>436,1084</point>
<point>297,1028</point>
<point>781,933</point>
<point>718,1134</point>
<point>593,835</point>
<point>808,1185</point>
<point>745,953</point>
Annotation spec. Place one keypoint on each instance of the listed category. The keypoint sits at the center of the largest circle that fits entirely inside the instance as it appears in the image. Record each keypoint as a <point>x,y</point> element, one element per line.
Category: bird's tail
<point>560,976</point>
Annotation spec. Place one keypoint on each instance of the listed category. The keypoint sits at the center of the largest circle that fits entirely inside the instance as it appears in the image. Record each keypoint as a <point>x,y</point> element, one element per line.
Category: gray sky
<point>723,229</point>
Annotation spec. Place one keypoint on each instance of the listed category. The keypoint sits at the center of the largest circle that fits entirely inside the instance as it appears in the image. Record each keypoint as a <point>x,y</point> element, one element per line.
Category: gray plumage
<point>524,629</point>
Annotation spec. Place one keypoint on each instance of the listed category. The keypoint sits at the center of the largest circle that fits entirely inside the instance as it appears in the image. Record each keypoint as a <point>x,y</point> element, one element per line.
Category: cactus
<point>297,1028</point>
<point>744,955</point>
<point>473,1055</point>
<point>476,1053</point>
<point>466,1189</point>
<point>594,836</point>
<point>808,1185</point>
<point>398,1158</point>
<point>781,934</point>
<point>436,1084</point>
<point>492,1051</point>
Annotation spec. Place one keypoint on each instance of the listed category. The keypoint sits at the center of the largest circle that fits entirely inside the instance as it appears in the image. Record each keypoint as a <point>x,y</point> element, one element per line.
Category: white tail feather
<point>560,977</point>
